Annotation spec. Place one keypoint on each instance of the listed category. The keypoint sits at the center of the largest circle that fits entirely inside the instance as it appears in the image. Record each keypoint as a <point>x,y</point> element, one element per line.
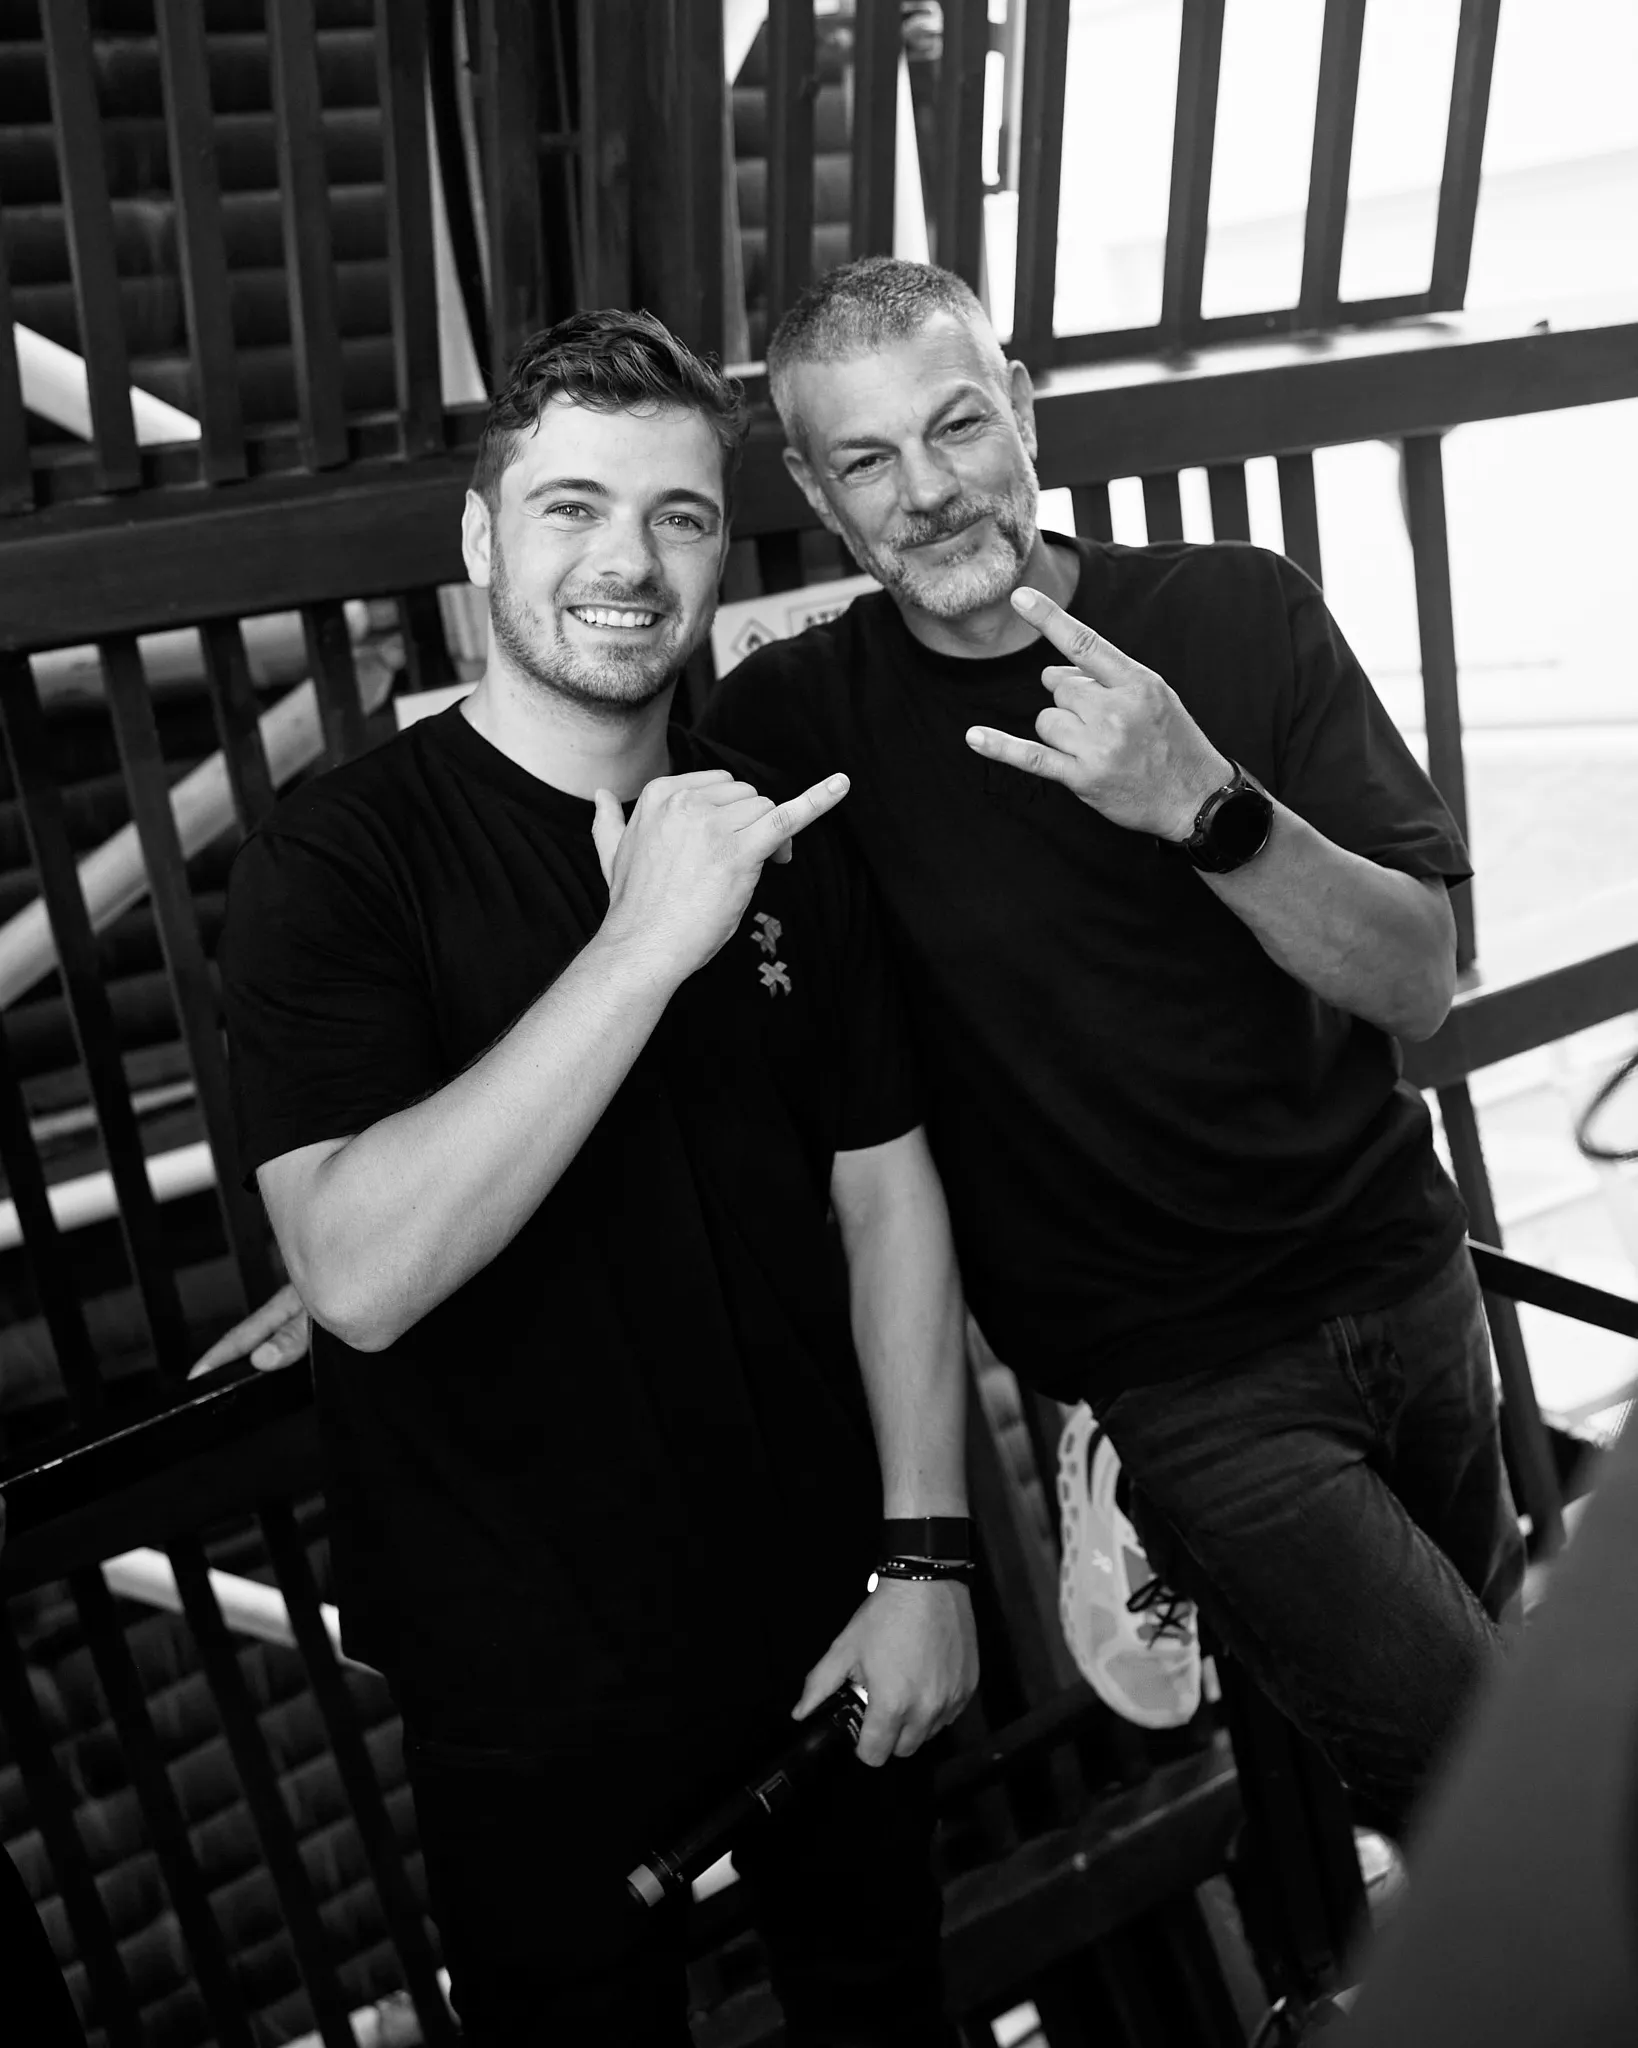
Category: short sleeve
<point>881,1093</point>
<point>330,1023</point>
<point>1344,766</point>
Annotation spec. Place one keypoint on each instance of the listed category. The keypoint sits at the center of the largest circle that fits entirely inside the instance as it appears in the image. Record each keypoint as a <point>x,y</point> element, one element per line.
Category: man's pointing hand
<point>1115,733</point>
<point>682,871</point>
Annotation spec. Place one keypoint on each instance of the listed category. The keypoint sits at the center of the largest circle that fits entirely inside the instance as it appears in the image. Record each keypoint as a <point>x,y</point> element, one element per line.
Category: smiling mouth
<point>614,618</point>
<point>939,540</point>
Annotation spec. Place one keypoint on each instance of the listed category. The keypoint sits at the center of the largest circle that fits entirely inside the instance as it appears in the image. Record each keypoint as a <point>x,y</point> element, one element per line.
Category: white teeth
<point>601,615</point>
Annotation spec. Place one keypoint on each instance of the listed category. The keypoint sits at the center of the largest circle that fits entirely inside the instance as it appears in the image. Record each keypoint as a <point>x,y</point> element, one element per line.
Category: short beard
<point>615,687</point>
<point>960,588</point>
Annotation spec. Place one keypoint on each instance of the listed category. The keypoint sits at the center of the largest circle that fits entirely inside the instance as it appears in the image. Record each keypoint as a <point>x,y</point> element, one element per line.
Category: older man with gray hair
<point>1166,885</point>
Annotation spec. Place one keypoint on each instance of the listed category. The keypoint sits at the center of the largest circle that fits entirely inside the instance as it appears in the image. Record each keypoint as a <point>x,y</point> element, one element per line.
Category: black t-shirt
<point>627,1468</point>
<point>1160,1150</point>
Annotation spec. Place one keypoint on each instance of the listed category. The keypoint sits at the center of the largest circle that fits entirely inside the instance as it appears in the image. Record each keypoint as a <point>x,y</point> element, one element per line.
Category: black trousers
<point>526,1854</point>
<point>30,1981</point>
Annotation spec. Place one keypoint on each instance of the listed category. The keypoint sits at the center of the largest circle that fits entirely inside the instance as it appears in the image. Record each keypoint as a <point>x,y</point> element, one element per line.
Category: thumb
<point>608,829</point>
<point>827,1676</point>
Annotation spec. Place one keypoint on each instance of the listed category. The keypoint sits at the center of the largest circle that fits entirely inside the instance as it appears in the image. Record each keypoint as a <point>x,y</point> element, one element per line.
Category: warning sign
<point>740,629</point>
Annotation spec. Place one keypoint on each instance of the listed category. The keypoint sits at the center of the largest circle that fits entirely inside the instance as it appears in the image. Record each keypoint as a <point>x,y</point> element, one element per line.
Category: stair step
<point>832,128</point>
<point>35,238</point>
<point>154,316</point>
<point>129,83</point>
<point>245,146</point>
<point>267,379</point>
<point>832,190</point>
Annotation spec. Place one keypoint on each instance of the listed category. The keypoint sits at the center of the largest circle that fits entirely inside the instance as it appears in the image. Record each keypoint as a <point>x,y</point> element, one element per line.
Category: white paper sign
<point>740,629</point>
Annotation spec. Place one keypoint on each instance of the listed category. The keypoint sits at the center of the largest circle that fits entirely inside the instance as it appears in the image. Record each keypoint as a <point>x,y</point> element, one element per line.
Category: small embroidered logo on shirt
<point>768,932</point>
<point>774,976</point>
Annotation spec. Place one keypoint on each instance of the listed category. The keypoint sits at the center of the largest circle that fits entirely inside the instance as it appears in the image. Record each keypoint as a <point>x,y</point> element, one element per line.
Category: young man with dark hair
<point>1157,955</point>
<point>552,1062</point>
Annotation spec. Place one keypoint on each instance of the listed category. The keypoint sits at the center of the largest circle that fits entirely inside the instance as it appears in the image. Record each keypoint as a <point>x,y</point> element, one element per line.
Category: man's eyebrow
<point>585,486</point>
<point>589,487</point>
<point>682,496</point>
<point>964,393</point>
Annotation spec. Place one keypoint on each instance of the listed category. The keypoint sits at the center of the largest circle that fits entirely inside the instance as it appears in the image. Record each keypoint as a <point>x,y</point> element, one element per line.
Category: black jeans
<point>526,1856</point>
<point>1338,1509</point>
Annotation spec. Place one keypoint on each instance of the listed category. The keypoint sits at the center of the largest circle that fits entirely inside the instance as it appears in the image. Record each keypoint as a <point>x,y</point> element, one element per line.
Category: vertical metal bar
<point>201,248</point>
<point>958,205</point>
<point>1199,60</point>
<point>16,468</point>
<point>401,73</point>
<point>876,47</point>
<point>1327,217</point>
<point>1532,1457</point>
<point>335,679</point>
<point>114,2007</point>
<point>1040,173</point>
<point>1436,633</point>
<point>1299,512</point>
<point>1464,153</point>
<point>147,788</point>
<point>304,196</point>
<point>238,720</point>
<point>507,77</point>
<point>792,84</point>
<point>90,1010</point>
<point>1093,518</point>
<point>166,1828</point>
<point>1163,506</point>
<point>88,217</point>
<point>608,38</point>
<point>275,1836</point>
<point>426,651</point>
<point>1230,513</point>
<point>47,1254</point>
<point>398,1904</point>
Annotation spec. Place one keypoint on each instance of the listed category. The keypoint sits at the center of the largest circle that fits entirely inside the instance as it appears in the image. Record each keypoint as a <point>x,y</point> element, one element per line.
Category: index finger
<point>1085,647</point>
<point>878,1734</point>
<point>765,835</point>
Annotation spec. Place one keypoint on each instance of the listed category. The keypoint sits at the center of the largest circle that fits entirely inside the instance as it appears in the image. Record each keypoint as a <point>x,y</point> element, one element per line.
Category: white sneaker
<point>1134,1640</point>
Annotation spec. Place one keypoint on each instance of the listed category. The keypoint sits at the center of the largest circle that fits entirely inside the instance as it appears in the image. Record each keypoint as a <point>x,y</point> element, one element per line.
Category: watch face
<point>1238,829</point>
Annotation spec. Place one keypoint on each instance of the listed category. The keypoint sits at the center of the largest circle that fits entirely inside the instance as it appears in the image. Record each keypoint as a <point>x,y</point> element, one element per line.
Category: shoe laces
<point>1170,1613</point>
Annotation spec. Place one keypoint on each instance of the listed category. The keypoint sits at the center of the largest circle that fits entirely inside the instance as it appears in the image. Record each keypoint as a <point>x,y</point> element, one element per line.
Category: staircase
<point>130,96</point>
<point>832,165</point>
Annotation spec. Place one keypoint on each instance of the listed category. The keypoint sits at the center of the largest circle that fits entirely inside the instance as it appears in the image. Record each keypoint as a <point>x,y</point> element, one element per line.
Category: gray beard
<point>961,587</point>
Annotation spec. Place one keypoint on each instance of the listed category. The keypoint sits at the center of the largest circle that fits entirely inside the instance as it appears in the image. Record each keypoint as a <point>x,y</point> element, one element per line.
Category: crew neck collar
<point>480,757</point>
<point>985,668</point>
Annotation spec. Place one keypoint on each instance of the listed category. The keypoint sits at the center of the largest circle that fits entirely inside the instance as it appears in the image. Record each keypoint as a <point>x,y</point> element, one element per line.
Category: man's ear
<point>810,487</point>
<point>1022,394</point>
<point>475,539</point>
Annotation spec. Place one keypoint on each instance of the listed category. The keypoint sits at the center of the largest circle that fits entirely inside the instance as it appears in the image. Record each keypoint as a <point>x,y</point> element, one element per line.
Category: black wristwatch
<point>1231,826</point>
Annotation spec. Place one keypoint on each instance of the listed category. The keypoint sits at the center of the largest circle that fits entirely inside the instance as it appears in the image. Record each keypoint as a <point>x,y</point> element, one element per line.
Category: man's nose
<point>926,480</point>
<point>623,551</point>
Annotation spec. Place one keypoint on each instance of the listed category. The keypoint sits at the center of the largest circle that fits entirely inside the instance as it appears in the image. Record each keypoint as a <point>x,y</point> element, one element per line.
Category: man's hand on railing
<point>276,1334</point>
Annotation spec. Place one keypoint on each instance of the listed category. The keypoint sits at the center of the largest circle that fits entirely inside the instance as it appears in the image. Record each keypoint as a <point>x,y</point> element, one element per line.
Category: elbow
<point>354,1313</point>
<point>1424,1005</point>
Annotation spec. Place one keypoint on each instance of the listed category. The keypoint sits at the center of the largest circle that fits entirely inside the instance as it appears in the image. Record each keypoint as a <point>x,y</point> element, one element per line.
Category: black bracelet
<point>943,1539</point>
<point>924,1568</point>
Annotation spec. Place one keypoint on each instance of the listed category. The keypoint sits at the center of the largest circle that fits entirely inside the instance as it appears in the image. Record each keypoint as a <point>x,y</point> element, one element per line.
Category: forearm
<point>396,1219</point>
<point>1374,942</point>
<point>909,1332</point>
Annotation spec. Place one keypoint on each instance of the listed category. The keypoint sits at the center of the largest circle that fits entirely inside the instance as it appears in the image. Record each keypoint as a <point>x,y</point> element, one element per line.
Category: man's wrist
<point>1213,774</point>
<point>634,962</point>
<point>939,1539</point>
